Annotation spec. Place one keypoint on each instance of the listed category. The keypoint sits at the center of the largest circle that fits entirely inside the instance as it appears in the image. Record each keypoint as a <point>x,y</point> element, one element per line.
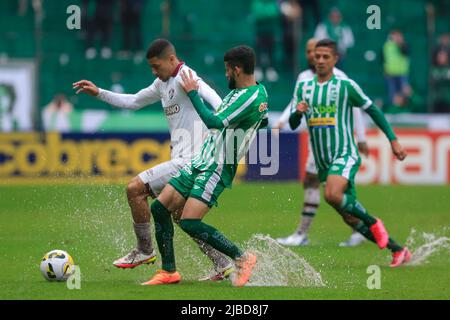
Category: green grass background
<point>92,223</point>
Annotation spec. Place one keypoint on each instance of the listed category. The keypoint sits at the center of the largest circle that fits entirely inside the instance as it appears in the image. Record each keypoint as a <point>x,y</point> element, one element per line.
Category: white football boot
<point>294,240</point>
<point>135,258</point>
<point>355,239</point>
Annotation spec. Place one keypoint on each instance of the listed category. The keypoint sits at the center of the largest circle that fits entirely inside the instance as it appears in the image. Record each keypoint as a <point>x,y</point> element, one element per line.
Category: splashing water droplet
<point>424,245</point>
<point>279,266</point>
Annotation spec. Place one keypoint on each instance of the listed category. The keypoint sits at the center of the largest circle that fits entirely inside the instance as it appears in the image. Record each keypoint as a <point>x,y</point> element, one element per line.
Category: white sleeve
<point>321,32</point>
<point>209,95</point>
<point>284,118</point>
<point>348,39</point>
<point>360,127</point>
<point>135,101</point>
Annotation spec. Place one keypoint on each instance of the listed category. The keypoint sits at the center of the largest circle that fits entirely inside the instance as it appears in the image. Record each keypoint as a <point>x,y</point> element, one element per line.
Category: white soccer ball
<point>57,265</point>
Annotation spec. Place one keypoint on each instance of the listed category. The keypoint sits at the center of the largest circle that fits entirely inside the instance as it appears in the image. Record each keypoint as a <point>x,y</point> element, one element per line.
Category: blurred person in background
<point>396,69</point>
<point>130,13</point>
<point>440,75</point>
<point>336,29</point>
<point>8,120</point>
<point>100,18</point>
<point>309,8</point>
<point>56,115</point>
<point>290,26</point>
<point>265,14</point>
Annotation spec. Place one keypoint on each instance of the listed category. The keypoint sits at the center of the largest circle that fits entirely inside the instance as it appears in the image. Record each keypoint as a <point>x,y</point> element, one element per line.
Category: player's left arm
<point>298,108</point>
<point>358,99</point>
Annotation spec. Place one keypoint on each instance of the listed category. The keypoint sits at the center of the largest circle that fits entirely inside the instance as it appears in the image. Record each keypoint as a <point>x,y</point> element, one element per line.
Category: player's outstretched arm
<point>126,101</point>
<point>87,87</point>
<point>190,85</point>
<point>380,120</point>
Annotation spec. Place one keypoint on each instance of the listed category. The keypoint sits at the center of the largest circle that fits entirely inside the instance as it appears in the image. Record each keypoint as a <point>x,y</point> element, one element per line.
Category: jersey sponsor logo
<point>170,111</point>
<point>263,107</point>
<point>324,109</point>
<point>317,123</point>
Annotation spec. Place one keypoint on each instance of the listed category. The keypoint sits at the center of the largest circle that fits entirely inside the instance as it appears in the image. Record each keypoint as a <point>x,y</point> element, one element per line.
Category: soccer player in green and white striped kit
<point>196,188</point>
<point>326,101</point>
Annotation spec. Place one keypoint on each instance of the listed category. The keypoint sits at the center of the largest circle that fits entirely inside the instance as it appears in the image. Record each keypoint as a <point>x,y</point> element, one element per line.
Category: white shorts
<point>310,162</point>
<point>158,176</point>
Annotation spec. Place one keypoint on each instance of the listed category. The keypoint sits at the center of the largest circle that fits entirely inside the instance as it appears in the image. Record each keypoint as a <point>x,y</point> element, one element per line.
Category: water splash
<point>279,266</point>
<point>424,245</point>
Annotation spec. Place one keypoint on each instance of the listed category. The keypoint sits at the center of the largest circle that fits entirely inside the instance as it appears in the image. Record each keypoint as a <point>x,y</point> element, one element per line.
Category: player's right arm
<point>284,118</point>
<point>135,101</point>
<point>298,108</point>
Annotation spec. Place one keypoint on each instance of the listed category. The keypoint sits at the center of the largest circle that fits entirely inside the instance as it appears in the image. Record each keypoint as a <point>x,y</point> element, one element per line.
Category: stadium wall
<point>116,157</point>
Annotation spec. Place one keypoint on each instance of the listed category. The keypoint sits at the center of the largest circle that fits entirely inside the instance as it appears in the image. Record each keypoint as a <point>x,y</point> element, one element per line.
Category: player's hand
<point>87,87</point>
<point>302,107</point>
<point>188,83</point>
<point>363,148</point>
<point>398,150</point>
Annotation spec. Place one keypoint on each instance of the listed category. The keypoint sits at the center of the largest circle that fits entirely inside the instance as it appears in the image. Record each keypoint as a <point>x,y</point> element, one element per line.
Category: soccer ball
<point>57,265</point>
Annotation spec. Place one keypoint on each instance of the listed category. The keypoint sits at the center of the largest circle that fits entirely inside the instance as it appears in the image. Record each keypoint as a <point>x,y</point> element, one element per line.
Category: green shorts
<point>205,186</point>
<point>346,167</point>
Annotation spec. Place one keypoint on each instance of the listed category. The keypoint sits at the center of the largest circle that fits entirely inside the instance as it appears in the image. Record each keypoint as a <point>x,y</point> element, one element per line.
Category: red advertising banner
<point>428,160</point>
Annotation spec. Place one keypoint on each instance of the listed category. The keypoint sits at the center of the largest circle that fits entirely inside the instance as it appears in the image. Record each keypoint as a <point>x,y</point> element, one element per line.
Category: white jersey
<point>187,130</point>
<point>357,115</point>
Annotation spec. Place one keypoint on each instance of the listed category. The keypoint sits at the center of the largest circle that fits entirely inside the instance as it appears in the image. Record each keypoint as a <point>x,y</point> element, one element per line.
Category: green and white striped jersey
<point>242,113</point>
<point>330,117</point>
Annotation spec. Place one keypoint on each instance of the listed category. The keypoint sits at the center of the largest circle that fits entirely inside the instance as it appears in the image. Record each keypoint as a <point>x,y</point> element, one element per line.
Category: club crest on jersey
<point>171,93</point>
<point>263,106</point>
<point>169,111</point>
<point>333,94</point>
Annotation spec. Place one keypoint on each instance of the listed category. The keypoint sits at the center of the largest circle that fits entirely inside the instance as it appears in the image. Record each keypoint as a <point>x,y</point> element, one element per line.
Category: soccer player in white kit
<point>187,132</point>
<point>311,183</point>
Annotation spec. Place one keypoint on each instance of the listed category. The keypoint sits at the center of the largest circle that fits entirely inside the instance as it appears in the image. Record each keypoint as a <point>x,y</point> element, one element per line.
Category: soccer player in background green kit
<point>198,185</point>
<point>326,101</point>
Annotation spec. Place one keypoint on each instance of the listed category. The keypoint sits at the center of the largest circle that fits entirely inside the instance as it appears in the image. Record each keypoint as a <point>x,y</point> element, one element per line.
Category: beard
<point>231,83</point>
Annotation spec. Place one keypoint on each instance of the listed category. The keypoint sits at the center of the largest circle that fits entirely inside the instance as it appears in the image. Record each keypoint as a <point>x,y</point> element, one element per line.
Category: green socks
<point>164,235</point>
<point>352,206</point>
<point>365,231</point>
<point>208,234</point>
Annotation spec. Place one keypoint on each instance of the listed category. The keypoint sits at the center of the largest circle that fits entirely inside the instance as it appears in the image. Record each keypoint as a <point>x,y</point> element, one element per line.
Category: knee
<point>333,198</point>
<point>135,188</point>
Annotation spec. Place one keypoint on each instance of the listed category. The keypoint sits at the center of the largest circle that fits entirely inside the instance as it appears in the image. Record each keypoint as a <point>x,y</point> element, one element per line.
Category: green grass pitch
<point>93,223</point>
